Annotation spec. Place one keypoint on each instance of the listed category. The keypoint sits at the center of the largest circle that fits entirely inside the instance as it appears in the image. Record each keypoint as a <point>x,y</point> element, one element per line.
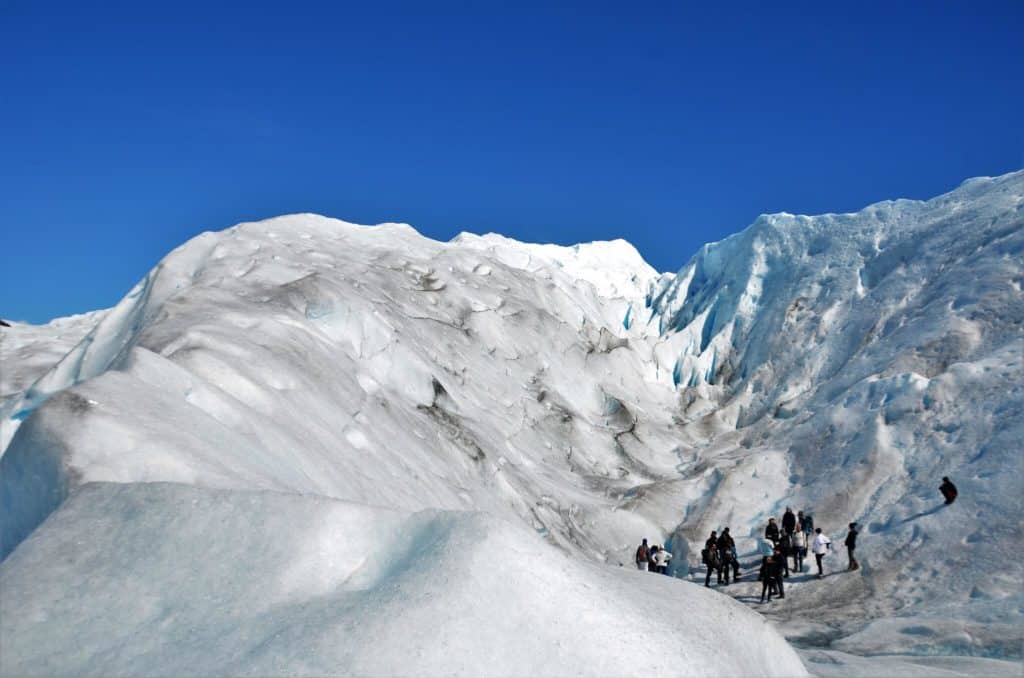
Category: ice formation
<point>304,446</point>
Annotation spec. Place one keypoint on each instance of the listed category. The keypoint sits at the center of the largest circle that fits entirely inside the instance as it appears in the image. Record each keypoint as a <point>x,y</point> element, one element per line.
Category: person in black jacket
<point>948,490</point>
<point>772,582</point>
<point>788,521</point>
<point>771,532</point>
<point>726,544</point>
<point>710,557</point>
<point>851,544</point>
<point>781,567</point>
<point>767,583</point>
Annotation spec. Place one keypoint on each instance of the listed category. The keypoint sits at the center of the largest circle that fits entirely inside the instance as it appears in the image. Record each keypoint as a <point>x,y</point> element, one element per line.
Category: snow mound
<point>187,581</point>
<point>840,363</point>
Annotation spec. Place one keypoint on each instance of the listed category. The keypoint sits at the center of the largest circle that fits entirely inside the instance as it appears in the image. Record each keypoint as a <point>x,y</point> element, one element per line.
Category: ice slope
<point>284,354</point>
<point>189,581</point>
<point>842,363</point>
<point>28,351</point>
<point>862,357</point>
<point>305,362</point>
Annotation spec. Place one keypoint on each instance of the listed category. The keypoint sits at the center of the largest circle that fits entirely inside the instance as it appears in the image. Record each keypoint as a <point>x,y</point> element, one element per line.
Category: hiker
<point>771,532</point>
<point>783,549</point>
<point>788,521</point>
<point>799,548</point>
<point>763,576</point>
<point>807,522</point>
<point>771,581</point>
<point>642,554</point>
<point>779,565</point>
<point>948,490</point>
<point>851,544</point>
<point>661,558</point>
<point>727,545</point>
<point>710,557</point>
<point>820,547</point>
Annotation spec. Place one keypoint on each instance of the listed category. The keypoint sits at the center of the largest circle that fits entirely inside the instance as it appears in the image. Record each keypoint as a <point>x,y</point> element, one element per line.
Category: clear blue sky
<point>129,127</point>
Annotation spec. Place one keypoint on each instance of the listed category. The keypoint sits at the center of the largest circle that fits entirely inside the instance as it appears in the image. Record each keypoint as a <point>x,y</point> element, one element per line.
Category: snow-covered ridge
<point>839,362</point>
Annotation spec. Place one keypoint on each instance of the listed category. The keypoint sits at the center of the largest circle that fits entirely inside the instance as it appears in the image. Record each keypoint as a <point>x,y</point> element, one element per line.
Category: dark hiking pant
<point>817,558</point>
<point>853,564</point>
<point>707,579</point>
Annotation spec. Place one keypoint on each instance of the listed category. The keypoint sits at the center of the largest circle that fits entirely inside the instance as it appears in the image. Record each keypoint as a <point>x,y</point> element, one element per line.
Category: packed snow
<point>302,446</point>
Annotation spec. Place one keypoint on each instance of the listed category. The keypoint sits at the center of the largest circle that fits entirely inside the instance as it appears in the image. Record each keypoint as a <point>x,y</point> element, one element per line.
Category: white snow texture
<point>306,447</point>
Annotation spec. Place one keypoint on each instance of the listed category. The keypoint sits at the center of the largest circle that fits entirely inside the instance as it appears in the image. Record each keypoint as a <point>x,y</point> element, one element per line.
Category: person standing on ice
<point>710,557</point>
<point>771,531</point>
<point>726,544</point>
<point>783,550</point>
<point>661,558</point>
<point>851,544</point>
<point>799,548</point>
<point>820,547</point>
<point>806,522</point>
<point>948,490</point>
<point>788,521</point>
<point>642,554</point>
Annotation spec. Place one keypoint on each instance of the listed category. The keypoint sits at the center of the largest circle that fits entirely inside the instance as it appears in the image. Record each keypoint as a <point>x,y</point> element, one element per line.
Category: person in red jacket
<point>643,553</point>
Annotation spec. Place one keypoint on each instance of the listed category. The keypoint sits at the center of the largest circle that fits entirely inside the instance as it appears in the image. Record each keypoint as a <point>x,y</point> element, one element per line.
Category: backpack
<point>641,554</point>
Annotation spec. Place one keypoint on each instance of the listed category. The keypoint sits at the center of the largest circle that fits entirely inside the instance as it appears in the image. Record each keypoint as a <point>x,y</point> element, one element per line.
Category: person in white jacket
<point>820,547</point>
<point>661,558</point>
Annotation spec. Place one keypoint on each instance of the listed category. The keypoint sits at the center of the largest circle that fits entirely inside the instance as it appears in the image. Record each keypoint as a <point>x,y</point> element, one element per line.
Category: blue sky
<point>129,127</point>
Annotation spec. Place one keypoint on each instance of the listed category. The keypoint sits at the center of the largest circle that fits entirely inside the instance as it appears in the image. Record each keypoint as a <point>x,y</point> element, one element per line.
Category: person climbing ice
<point>948,490</point>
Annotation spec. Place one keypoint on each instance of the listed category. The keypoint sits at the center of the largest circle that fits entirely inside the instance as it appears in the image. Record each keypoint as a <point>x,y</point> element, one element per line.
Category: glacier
<point>303,446</point>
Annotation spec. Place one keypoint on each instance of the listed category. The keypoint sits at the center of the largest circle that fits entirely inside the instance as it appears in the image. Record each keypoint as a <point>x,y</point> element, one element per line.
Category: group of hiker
<point>652,558</point>
<point>792,539</point>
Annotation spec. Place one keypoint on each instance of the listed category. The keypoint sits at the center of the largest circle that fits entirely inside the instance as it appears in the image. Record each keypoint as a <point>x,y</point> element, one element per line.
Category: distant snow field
<point>306,447</point>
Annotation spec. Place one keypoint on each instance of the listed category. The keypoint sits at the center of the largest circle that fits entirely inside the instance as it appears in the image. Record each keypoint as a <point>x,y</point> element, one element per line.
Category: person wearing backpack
<point>726,544</point>
<point>807,522</point>
<point>642,554</point>
<point>710,557</point>
<point>820,547</point>
<point>771,531</point>
<point>851,544</point>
